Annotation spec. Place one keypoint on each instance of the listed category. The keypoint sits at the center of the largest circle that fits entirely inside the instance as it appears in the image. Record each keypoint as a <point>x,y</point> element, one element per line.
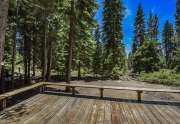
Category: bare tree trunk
<point>14,44</point>
<point>79,70</point>
<point>25,60</point>
<point>34,52</point>
<point>71,42</point>
<point>29,71</point>
<point>34,67</point>
<point>13,60</point>
<point>44,60</point>
<point>2,86</point>
<point>29,60</point>
<point>34,60</point>
<point>4,6</point>
<point>49,64</point>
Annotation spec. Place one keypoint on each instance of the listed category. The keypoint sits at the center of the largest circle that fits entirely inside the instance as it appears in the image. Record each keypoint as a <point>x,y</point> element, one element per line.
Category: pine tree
<point>168,35</point>
<point>71,42</point>
<point>145,50</point>
<point>112,33</point>
<point>150,26</point>
<point>177,41</point>
<point>153,27</point>
<point>85,44</point>
<point>176,55</point>
<point>80,36</point>
<point>146,58</point>
<point>97,59</point>
<point>156,28</point>
<point>178,18</point>
<point>4,6</point>
<point>139,32</point>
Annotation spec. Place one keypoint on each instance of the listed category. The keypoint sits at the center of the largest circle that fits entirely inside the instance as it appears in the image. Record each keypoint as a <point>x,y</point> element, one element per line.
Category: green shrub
<point>164,76</point>
<point>117,72</point>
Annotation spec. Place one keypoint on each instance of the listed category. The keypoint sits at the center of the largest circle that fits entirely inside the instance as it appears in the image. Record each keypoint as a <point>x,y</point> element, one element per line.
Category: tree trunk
<point>13,59</point>
<point>29,71</point>
<point>71,42</point>
<point>34,62</point>
<point>25,60</point>
<point>2,86</point>
<point>79,70</point>
<point>29,60</point>
<point>49,64</point>
<point>34,56</point>
<point>4,6</point>
<point>44,60</point>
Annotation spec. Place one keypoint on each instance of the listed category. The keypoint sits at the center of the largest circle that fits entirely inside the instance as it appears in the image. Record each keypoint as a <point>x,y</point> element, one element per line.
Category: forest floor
<point>86,108</point>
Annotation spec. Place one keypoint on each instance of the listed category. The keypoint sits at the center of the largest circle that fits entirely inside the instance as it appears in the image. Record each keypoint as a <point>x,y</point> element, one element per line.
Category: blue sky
<point>165,9</point>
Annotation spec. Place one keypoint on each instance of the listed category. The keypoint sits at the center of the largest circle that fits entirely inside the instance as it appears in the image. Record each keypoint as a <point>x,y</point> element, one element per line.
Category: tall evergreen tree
<point>97,59</point>
<point>178,18</point>
<point>156,27</point>
<point>112,33</point>
<point>145,50</point>
<point>71,41</point>
<point>146,57</point>
<point>177,41</point>
<point>150,25</point>
<point>81,21</point>
<point>85,44</point>
<point>176,54</point>
<point>4,6</point>
<point>139,31</point>
<point>153,27</point>
<point>168,35</point>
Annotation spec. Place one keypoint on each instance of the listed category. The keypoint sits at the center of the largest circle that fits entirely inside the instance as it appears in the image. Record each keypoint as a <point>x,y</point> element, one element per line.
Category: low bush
<point>164,76</point>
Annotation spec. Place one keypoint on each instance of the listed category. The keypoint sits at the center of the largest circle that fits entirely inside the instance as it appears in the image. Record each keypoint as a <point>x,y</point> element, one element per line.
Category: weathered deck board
<point>141,114</point>
<point>107,113</point>
<point>54,109</point>
<point>149,114</point>
<point>93,115</point>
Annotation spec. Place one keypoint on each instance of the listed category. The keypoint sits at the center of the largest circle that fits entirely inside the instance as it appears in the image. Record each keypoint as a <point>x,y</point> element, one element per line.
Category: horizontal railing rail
<point>43,86</point>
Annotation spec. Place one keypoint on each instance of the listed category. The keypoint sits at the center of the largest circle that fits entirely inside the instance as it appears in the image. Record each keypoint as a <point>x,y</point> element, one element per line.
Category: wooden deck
<point>56,109</point>
<point>119,107</point>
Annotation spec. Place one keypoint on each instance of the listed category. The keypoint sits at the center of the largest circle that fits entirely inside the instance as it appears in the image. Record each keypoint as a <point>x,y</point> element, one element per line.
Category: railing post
<point>139,95</point>
<point>73,91</point>
<point>101,92</point>
<point>44,87</point>
<point>40,89</point>
<point>4,103</point>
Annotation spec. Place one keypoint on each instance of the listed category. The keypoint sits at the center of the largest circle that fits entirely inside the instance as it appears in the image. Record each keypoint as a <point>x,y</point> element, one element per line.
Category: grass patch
<point>164,76</point>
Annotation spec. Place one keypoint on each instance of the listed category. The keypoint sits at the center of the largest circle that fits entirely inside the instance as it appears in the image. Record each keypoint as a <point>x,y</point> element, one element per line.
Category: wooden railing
<point>42,87</point>
<point>4,97</point>
<point>102,88</point>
